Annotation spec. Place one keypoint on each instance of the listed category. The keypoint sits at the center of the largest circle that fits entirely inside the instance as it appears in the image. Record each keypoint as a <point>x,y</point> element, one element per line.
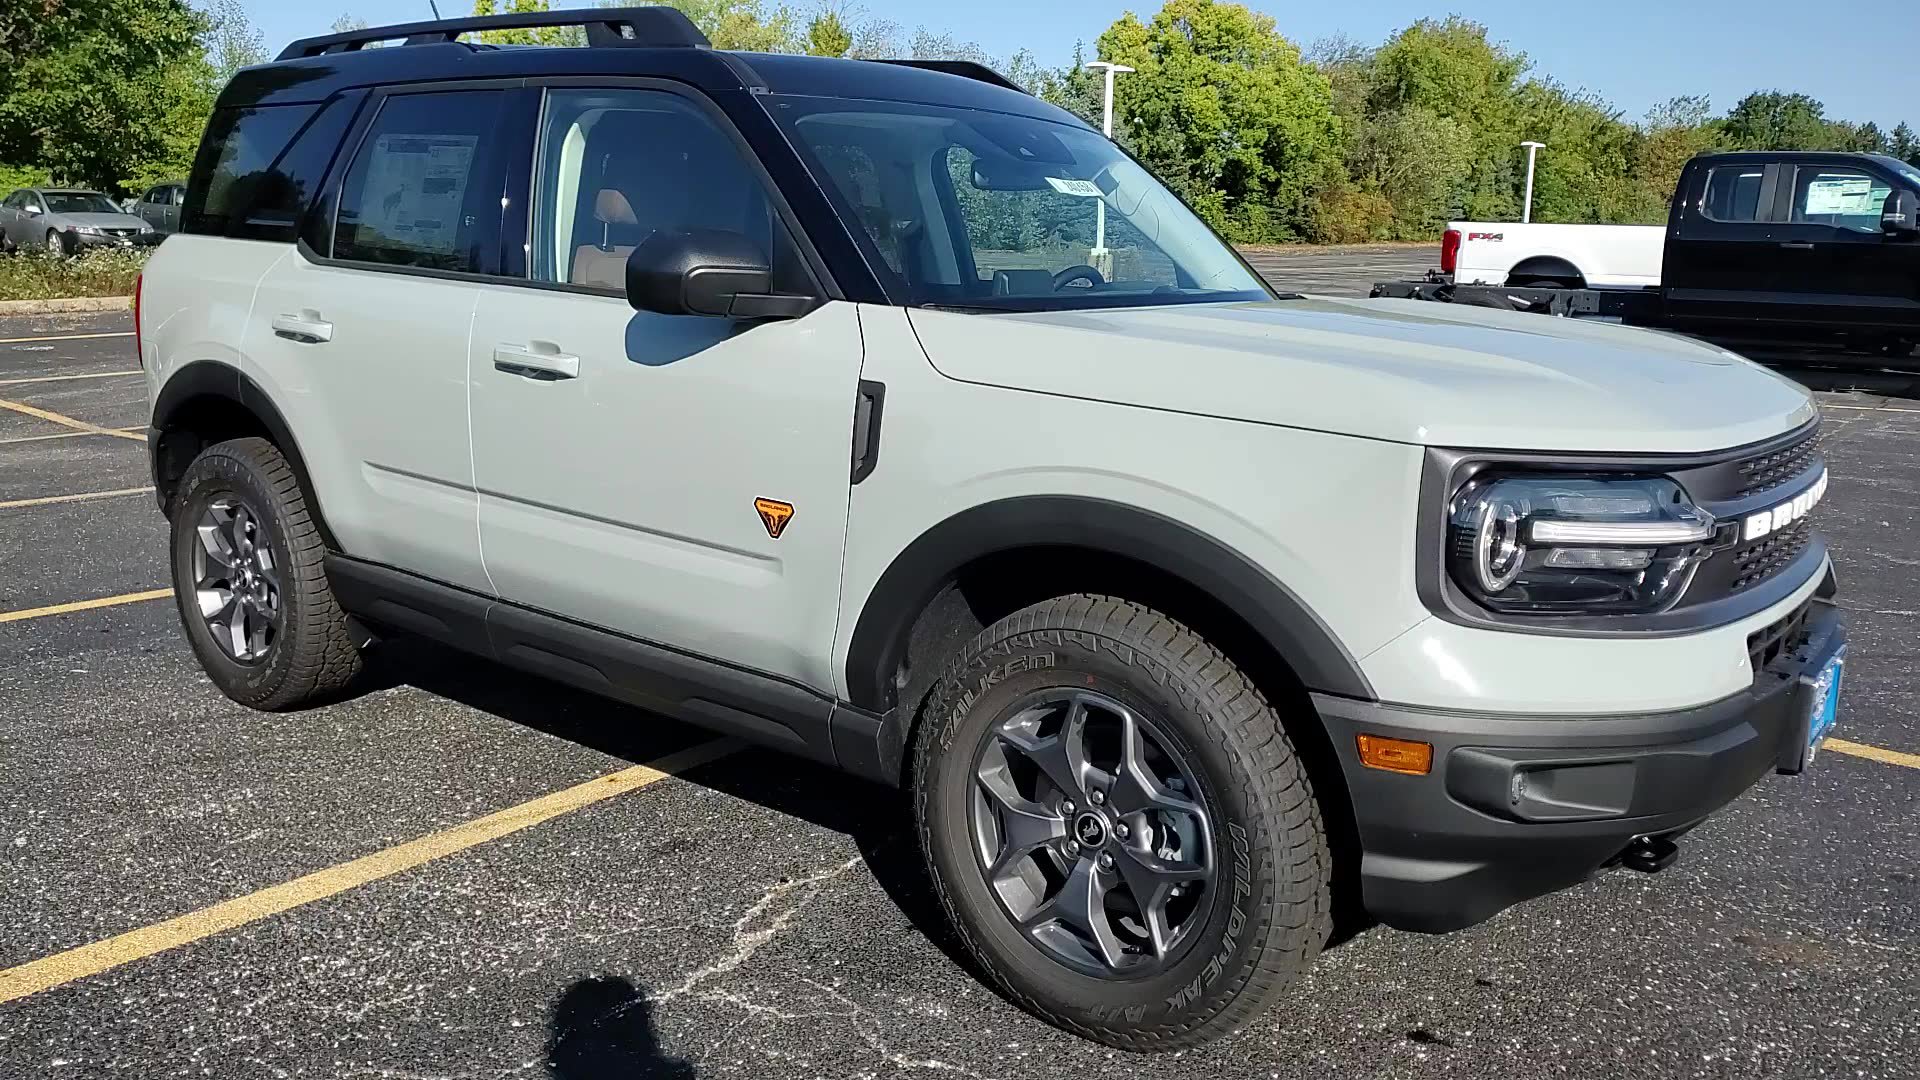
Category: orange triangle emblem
<point>774,514</point>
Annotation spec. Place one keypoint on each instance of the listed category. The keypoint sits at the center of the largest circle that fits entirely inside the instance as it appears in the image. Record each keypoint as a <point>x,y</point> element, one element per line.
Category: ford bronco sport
<point>794,397</point>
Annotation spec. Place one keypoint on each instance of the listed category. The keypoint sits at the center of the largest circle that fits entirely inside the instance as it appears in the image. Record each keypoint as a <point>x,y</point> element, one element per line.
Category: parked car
<point>1783,254</point>
<point>159,206</point>
<point>68,220</point>
<point>1562,256</point>
<point>684,376</point>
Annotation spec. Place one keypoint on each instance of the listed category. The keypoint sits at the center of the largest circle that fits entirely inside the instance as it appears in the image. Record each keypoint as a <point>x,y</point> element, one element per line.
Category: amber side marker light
<point>1396,755</point>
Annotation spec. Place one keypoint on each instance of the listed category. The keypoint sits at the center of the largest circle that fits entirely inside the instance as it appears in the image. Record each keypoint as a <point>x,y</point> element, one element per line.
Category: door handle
<point>541,360</point>
<point>307,328</point>
<point>1796,247</point>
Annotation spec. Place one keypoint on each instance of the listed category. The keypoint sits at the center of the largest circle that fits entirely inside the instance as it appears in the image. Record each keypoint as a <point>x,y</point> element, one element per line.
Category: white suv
<point>886,415</point>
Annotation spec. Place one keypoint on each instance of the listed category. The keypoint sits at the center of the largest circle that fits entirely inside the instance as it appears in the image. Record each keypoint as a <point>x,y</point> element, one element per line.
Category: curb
<point>56,307</point>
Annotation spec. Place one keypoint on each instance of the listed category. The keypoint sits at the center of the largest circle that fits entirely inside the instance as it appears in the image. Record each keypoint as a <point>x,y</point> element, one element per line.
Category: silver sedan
<point>67,220</point>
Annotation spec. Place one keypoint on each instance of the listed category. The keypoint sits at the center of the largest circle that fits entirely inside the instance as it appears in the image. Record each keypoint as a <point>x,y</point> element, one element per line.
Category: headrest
<point>612,207</point>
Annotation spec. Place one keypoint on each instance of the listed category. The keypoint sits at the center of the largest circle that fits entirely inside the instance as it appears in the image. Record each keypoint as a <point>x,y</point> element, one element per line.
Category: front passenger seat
<point>604,265</point>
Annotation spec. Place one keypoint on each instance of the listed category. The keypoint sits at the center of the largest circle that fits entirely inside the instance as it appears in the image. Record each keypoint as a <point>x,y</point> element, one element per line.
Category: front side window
<point>1841,197</point>
<point>80,202</point>
<point>617,166</point>
<point>415,194</point>
<point>980,209</point>
<point>1733,193</point>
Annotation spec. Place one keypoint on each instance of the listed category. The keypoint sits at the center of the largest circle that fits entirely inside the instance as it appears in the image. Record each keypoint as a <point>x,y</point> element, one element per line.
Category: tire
<point>1257,924</point>
<point>303,650</point>
<point>57,243</point>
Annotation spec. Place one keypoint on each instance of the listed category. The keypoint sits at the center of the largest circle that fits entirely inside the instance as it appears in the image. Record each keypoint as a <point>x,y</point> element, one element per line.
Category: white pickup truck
<point>1563,256</point>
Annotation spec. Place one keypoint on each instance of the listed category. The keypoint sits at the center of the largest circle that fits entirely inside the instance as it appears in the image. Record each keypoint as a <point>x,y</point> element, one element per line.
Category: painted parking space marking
<point>65,337</point>
<point>68,378</point>
<point>100,956</point>
<point>83,605</point>
<point>84,496</point>
<point>1872,753</point>
<point>68,421</point>
<point>1870,408</point>
<point>66,435</point>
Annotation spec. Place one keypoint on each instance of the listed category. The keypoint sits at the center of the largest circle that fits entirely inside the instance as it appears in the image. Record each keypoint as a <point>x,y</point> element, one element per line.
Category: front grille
<point>1755,564</point>
<point>1775,468</point>
<point>122,232</point>
<point>1768,644</point>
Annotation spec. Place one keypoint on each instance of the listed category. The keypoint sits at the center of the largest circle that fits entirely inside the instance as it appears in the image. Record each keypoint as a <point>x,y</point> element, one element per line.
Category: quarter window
<point>414,195</point>
<point>1733,193</point>
<point>1843,198</point>
<point>617,166</point>
<point>240,145</point>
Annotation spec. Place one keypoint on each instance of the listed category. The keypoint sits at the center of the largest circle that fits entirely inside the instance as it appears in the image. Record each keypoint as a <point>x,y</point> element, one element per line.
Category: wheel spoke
<point>1081,906</point>
<point>1151,880</point>
<point>1025,825</point>
<point>259,626</point>
<point>213,603</point>
<point>235,624</point>
<point>1135,789</point>
<point>217,552</point>
<point>1062,756</point>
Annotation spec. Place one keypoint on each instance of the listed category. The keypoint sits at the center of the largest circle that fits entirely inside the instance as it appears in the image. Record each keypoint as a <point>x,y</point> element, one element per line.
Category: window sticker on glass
<point>1840,195</point>
<point>424,180</point>
<point>1085,188</point>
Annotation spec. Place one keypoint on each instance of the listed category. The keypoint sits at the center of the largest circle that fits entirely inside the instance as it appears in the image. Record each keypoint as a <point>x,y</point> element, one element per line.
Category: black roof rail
<point>966,69</point>
<point>656,26</point>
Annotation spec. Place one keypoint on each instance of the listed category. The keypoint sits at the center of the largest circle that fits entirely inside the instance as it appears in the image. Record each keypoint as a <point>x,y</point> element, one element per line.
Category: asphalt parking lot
<point>463,872</point>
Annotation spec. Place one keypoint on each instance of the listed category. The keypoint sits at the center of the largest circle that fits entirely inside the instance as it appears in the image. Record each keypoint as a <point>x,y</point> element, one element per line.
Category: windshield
<point>968,208</point>
<point>1907,172</point>
<point>80,202</point>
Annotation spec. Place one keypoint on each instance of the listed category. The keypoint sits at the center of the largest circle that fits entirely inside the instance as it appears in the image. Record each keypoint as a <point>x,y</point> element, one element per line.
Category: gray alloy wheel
<point>56,243</point>
<point>236,582</point>
<point>1087,834</point>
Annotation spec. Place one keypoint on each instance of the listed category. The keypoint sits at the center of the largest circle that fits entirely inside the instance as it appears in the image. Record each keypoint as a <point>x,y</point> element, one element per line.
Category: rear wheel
<point>1116,823</point>
<point>249,577</point>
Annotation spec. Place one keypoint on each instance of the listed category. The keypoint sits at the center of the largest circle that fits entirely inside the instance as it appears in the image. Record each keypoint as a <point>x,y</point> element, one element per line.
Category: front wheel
<point>249,577</point>
<point>1118,826</point>
<point>58,244</point>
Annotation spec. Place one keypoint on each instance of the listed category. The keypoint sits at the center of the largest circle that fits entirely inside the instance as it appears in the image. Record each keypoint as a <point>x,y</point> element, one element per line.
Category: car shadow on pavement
<point>879,820</point>
<point>602,1028</point>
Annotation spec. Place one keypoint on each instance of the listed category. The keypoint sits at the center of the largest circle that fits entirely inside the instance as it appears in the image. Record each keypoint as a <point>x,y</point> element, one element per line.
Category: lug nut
<point>1097,798</point>
<point>1120,829</point>
<point>1067,807</point>
<point>1106,862</point>
<point>1073,848</point>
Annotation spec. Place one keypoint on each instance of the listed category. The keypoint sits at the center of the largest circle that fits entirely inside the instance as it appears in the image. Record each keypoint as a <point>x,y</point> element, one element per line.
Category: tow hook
<point>1650,854</point>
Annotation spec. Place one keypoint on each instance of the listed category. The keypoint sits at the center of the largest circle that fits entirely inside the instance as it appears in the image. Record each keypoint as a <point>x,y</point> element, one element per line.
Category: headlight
<point>1565,545</point>
<point>88,229</point>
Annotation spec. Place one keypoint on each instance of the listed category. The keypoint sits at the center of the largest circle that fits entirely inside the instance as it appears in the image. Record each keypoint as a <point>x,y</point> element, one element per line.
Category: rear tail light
<point>139,354</point>
<point>1449,251</point>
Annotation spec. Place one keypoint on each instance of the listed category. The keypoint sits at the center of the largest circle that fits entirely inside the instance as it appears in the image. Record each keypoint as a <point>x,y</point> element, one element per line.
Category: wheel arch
<point>206,402</point>
<point>1546,266</point>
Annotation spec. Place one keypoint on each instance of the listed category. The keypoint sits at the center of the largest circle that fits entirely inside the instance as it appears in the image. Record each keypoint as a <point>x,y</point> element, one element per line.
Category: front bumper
<point>100,240</point>
<point>1517,807</point>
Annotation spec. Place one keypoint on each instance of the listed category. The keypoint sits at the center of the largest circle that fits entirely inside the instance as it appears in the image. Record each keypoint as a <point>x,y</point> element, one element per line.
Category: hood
<point>101,221</point>
<point>1401,370</point>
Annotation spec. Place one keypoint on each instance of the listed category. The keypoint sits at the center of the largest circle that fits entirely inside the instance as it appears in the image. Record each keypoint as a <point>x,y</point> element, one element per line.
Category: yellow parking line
<point>65,378</point>
<point>88,960</point>
<point>64,337</point>
<point>1870,408</point>
<point>85,496</point>
<point>62,435</point>
<point>83,605</point>
<point>68,421</point>
<point>1872,753</point>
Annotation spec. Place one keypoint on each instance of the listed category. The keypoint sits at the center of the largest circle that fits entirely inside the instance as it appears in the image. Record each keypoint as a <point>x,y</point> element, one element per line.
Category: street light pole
<point>1100,257</point>
<point>1526,212</point>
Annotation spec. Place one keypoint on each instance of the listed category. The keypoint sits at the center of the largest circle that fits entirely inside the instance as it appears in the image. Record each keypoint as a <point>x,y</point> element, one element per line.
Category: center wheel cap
<point>1090,829</point>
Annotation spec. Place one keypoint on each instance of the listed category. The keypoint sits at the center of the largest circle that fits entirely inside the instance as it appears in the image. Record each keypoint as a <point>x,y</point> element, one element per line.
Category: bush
<point>39,276</point>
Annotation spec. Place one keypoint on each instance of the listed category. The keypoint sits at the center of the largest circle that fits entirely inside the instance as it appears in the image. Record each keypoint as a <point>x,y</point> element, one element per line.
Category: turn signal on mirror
<point>1396,755</point>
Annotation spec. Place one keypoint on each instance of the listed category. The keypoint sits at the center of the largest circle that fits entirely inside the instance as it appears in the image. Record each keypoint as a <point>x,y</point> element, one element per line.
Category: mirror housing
<point>708,272</point>
<point>1900,216</point>
<point>31,210</point>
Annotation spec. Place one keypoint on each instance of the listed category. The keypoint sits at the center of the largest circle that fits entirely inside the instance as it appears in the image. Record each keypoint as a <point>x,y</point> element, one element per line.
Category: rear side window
<point>240,145</point>
<point>422,190</point>
<point>1733,193</point>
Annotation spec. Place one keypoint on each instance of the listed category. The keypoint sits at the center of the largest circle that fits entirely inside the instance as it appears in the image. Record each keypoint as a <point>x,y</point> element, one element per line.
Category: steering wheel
<point>1072,274</point>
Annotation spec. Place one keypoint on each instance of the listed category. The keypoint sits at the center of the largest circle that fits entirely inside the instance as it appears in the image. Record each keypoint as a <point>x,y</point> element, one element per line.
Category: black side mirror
<point>707,272</point>
<point>1900,217</point>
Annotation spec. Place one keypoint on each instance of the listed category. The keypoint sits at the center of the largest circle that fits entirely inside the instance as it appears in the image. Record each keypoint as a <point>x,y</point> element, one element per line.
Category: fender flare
<point>214,379</point>
<point>931,562</point>
<point>1546,266</point>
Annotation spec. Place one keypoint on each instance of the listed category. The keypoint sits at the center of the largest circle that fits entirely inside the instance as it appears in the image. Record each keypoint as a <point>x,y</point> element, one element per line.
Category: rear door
<point>360,334</point>
<point>1723,260</point>
<point>1855,277</point>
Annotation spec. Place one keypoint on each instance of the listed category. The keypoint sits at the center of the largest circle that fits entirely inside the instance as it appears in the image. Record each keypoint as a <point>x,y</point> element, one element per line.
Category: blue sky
<point>1632,52</point>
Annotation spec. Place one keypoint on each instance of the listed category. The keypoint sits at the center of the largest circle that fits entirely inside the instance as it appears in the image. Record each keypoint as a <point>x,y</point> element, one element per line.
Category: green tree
<point>231,41</point>
<point>827,35</point>
<point>1223,110</point>
<point>1903,145</point>
<point>538,35</point>
<point>1773,120</point>
<point>1670,137</point>
<point>1450,69</point>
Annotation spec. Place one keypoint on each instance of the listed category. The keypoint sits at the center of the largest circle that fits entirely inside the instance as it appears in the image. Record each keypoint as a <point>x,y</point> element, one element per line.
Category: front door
<point>1723,259</point>
<point>1857,278</point>
<point>677,479</point>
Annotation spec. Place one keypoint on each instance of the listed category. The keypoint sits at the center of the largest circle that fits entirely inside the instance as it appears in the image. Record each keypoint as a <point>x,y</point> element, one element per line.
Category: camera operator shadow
<point>602,1028</point>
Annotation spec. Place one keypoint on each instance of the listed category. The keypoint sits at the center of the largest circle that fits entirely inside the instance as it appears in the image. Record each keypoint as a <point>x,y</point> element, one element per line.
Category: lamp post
<point>1526,212</point>
<point>1100,257</point>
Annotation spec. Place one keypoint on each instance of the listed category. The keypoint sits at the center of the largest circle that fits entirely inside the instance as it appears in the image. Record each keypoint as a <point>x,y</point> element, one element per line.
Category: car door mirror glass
<point>707,272</point>
<point>31,209</point>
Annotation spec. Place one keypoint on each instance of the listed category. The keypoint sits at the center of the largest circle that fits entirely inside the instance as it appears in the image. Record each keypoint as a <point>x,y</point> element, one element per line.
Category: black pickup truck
<point>1774,254</point>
